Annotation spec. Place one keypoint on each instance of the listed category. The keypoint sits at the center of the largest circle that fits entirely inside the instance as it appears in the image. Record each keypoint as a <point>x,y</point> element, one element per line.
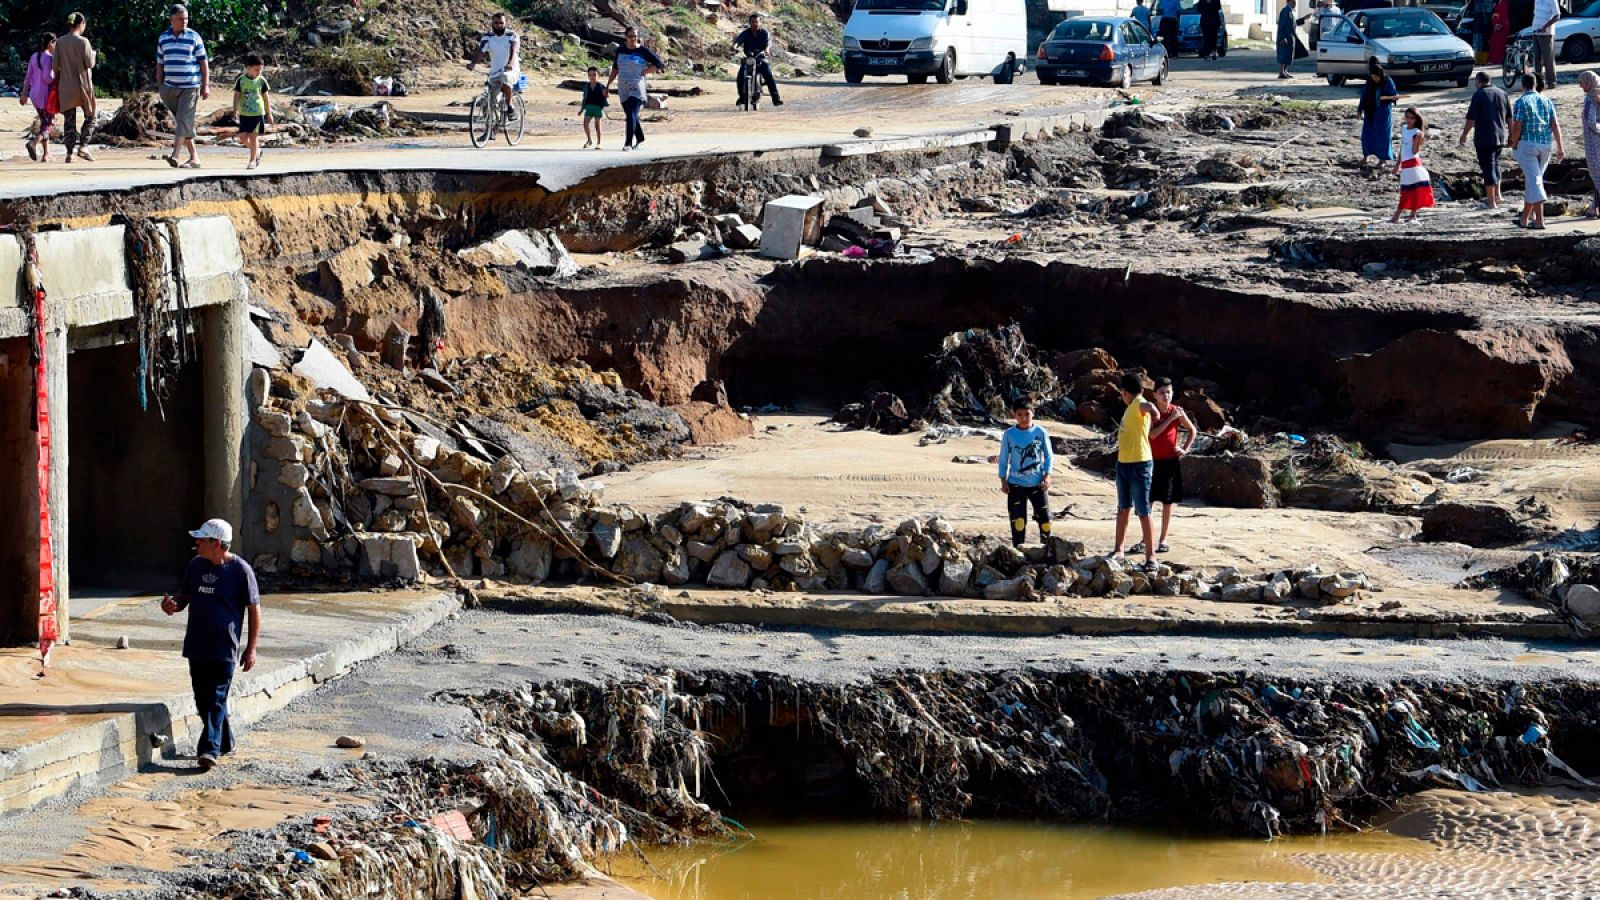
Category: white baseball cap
<point>215,529</point>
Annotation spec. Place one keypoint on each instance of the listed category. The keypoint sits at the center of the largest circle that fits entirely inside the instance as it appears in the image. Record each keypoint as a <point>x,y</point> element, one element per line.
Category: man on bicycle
<point>755,41</point>
<point>499,47</point>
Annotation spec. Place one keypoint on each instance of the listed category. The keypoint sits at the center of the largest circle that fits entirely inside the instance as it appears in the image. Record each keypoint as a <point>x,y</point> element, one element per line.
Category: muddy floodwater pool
<point>1015,860</point>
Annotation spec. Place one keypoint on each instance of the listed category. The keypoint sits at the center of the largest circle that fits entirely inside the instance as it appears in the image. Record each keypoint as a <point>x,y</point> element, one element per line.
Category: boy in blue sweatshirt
<point>1025,460</point>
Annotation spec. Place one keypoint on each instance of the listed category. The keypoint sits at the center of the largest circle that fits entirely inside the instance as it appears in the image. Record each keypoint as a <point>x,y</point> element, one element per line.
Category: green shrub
<point>1285,479</point>
<point>352,65</point>
<point>829,60</point>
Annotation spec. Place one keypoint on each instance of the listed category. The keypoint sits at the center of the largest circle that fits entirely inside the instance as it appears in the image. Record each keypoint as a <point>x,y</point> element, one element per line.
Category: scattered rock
<point>350,742</point>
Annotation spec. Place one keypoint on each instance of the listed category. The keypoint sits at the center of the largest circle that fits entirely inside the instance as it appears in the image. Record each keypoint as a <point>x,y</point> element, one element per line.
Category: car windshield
<point>1404,23</point>
<point>1084,30</point>
<point>911,5</point>
<point>1592,11</point>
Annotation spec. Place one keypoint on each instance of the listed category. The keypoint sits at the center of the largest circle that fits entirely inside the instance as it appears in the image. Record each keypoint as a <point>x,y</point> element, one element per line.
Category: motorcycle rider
<point>755,41</point>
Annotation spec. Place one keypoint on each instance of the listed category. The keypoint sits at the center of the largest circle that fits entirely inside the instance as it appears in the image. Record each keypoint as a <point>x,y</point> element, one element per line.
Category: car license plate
<point>1434,67</point>
<point>882,61</point>
<point>1074,73</point>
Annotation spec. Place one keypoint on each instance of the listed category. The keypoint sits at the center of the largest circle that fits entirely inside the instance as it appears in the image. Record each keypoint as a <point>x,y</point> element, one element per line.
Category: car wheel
<point>854,76</point>
<point>1161,73</point>
<point>1047,80</point>
<point>947,68</point>
<point>1461,82</point>
<point>916,79</point>
<point>1127,78</point>
<point>1336,81</point>
<point>1579,48</point>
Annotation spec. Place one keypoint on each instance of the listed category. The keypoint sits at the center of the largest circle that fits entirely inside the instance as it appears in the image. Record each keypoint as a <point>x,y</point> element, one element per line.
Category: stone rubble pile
<point>1568,583</point>
<point>364,495</point>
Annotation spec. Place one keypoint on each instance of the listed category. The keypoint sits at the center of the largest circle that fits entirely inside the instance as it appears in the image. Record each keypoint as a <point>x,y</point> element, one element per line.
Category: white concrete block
<point>786,223</point>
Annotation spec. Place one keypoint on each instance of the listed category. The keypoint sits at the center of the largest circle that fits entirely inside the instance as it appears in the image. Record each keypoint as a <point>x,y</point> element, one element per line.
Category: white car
<point>1410,43</point>
<point>1577,33</point>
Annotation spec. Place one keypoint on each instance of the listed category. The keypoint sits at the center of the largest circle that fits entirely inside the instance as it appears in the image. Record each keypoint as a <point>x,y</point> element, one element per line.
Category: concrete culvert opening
<point>136,487</point>
<point>18,456</point>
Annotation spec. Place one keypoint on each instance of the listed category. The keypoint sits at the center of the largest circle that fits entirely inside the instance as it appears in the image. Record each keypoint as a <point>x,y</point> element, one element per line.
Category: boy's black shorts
<point>1166,481</point>
<point>252,124</point>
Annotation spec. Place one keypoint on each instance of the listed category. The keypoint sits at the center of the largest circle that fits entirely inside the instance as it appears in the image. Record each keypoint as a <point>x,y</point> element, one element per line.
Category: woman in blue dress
<point>1378,96</point>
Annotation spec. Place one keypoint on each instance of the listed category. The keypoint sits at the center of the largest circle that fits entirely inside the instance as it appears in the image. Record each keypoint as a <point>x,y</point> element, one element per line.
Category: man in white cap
<point>219,590</point>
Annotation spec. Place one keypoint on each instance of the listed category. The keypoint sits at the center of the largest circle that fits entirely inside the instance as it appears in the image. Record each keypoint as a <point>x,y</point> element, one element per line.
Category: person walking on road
<point>74,70</point>
<point>1590,82</point>
<point>1025,463</point>
<point>1416,190</point>
<point>1376,108</point>
<point>1286,38</point>
<point>1535,131</point>
<point>184,74</point>
<point>39,89</point>
<point>219,591</point>
<point>1488,121</point>
<point>1545,14</point>
<point>1135,465</point>
<point>1210,25</point>
<point>252,107</point>
<point>634,63</point>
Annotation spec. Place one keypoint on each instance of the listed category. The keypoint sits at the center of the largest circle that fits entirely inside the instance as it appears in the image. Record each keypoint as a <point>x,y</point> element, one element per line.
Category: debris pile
<point>1568,583</point>
<point>978,376</point>
<point>981,373</point>
<point>1243,752</point>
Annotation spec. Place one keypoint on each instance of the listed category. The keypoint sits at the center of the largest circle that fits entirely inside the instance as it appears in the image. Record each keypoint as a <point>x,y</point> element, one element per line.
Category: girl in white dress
<point>1416,192</point>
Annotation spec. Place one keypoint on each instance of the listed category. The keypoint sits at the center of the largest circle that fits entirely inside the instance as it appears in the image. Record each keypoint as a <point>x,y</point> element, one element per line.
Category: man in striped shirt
<point>184,74</point>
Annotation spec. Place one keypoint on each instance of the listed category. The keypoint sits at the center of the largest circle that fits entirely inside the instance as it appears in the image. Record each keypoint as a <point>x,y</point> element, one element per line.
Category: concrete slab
<point>917,142</point>
<point>102,713</point>
<point>1053,615</point>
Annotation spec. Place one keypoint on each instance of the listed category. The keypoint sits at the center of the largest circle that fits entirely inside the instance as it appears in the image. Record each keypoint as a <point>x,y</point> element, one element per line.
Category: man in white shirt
<point>1545,14</point>
<point>498,47</point>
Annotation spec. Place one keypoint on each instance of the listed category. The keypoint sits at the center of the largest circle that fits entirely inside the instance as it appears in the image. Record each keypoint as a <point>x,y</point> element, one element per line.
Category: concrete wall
<point>89,305</point>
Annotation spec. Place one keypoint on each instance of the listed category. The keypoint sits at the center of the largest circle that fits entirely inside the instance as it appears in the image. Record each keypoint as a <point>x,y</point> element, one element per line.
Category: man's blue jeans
<point>211,681</point>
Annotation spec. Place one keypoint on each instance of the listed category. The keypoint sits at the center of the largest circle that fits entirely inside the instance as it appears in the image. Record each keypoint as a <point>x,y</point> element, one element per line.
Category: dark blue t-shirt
<point>216,597</point>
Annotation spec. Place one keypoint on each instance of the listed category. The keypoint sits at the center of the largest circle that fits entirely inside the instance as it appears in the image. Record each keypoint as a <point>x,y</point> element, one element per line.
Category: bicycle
<point>750,78</point>
<point>488,114</point>
<point>1518,62</point>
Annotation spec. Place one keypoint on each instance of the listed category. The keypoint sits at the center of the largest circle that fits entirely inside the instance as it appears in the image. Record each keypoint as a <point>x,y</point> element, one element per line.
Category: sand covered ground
<point>1489,845</point>
<point>847,478</point>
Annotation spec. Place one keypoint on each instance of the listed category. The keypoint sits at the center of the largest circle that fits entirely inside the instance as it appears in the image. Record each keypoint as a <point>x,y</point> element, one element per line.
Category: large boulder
<point>638,560</point>
<point>729,571</point>
<point>1411,388</point>
<point>908,580</point>
<point>530,558</point>
<point>1481,525</point>
<point>1230,479</point>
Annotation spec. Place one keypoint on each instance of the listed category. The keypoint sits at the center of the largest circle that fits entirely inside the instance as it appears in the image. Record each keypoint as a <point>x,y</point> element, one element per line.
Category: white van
<point>947,39</point>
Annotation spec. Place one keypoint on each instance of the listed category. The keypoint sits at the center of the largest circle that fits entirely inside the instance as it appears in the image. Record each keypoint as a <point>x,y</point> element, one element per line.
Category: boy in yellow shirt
<point>1135,464</point>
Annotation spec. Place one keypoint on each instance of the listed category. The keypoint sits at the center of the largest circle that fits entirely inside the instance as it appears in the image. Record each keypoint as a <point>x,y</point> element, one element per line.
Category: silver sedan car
<point>1411,43</point>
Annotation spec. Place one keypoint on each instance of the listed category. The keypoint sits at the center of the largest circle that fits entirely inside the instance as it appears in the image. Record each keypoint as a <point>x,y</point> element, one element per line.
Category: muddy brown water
<point>1011,859</point>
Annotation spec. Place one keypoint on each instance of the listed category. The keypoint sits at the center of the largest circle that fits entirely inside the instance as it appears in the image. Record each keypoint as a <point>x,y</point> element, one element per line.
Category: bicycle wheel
<point>480,121</point>
<point>1510,69</point>
<point>513,129</point>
